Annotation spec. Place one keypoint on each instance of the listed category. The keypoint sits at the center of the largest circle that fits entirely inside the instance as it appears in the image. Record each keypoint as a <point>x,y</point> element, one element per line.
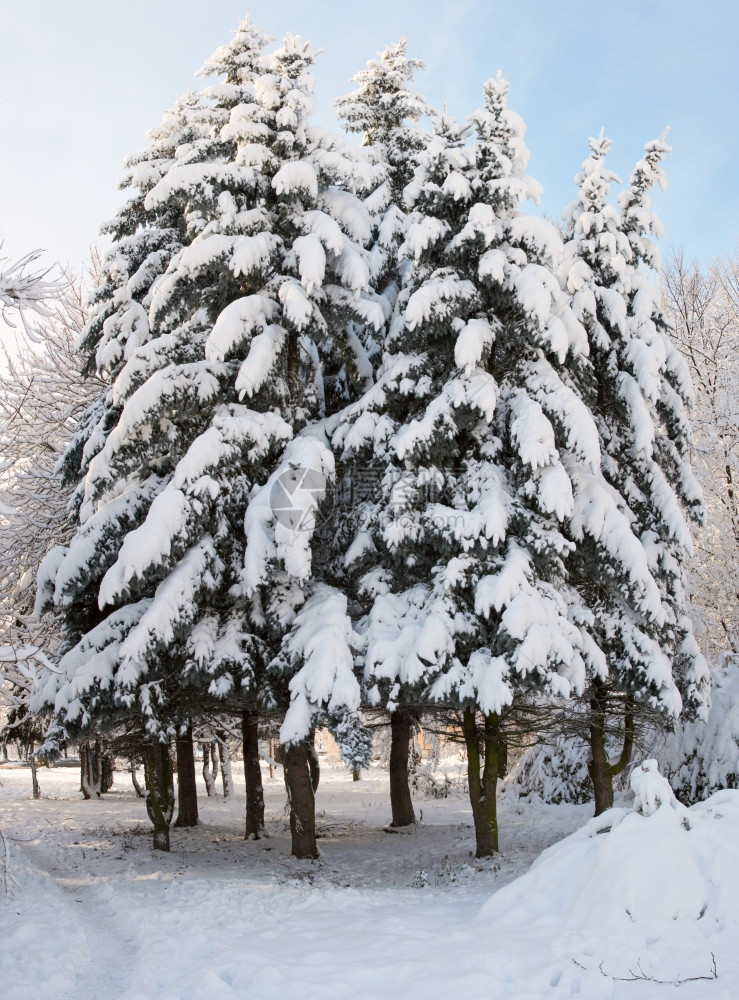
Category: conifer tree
<point>386,111</point>
<point>640,397</point>
<point>250,343</point>
<point>459,553</point>
<point>172,181</point>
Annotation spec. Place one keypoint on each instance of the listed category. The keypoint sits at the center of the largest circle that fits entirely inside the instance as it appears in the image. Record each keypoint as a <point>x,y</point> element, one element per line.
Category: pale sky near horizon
<point>82,81</point>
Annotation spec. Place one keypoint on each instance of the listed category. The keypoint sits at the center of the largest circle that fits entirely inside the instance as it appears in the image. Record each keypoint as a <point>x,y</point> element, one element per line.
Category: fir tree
<point>640,397</point>
<point>173,184</point>
<point>250,343</point>
<point>459,555</point>
<point>387,113</point>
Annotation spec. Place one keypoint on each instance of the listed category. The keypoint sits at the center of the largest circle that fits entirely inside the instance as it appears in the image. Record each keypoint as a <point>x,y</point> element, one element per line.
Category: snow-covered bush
<point>658,871</point>
<point>554,772</point>
<point>702,757</point>
<point>427,781</point>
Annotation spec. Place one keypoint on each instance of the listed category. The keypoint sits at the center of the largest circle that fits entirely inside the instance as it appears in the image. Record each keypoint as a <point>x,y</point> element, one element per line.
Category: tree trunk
<point>252,776</point>
<point>598,765</point>
<point>483,779</point>
<point>314,764</point>
<point>214,762</point>
<point>106,772</point>
<point>356,773</point>
<point>187,795</point>
<point>301,799</point>
<point>84,788</point>
<point>160,788</point>
<point>140,793</point>
<point>208,774</point>
<point>502,757</point>
<point>629,732</point>
<point>225,759</point>
<point>401,803</point>
<point>36,791</point>
<point>91,771</point>
<point>601,770</point>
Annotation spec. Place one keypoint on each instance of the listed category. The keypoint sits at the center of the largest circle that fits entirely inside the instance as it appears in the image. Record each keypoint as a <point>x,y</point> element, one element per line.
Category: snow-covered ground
<point>98,915</point>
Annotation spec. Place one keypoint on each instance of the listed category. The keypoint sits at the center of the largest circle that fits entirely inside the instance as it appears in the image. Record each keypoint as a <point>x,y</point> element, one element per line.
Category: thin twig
<point>642,976</point>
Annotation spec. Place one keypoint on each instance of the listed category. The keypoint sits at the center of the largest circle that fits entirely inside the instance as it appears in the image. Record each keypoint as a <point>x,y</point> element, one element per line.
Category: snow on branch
<point>24,289</point>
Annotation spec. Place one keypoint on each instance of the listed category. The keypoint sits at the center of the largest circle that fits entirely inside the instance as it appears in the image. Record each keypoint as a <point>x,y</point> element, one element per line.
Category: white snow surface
<point>98,915</point>
<point>648,894</point>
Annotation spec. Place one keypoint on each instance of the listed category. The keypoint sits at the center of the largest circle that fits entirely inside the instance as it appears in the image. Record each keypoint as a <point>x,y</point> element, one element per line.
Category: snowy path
<point>212,920</point>
<point>81,913</point>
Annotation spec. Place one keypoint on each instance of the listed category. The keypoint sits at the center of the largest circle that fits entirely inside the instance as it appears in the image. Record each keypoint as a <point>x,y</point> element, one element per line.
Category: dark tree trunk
<point>252,776</point>
<point>600,769</point>
<point>83,770</point>
<point>598,765</point>
<point>106,772</point>
<point>483,779</point>
<point>187,794</point>
<point>356,773</point>
<point>301,799</point>
<point>401,803</point>
<point>502,758</point>
<point>160,792</point>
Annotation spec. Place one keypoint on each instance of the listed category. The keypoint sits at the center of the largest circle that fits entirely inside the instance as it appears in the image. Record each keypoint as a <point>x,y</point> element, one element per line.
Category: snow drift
<point>640,868</point>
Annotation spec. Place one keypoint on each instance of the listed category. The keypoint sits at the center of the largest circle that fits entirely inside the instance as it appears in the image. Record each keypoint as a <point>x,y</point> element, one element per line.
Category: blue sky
<point>82,81</point>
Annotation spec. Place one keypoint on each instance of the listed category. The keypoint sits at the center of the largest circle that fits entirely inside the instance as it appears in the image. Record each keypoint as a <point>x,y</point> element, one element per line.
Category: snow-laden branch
<point>24,288</point>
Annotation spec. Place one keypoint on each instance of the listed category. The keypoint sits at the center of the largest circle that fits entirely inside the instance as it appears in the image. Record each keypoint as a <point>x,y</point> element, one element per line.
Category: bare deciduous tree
<point>42,399</point>
<point>703,303</point>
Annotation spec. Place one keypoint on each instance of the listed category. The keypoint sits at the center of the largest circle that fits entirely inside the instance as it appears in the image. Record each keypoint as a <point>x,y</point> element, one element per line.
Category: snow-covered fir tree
<point>195,578</point>
<point>124,341</point>
<point>477,443</point>
<point>387,112</point>
<point>638,389</point>
<point>145,239</point>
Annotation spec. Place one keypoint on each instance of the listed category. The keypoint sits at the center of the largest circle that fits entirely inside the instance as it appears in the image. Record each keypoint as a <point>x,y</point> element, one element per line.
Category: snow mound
<point>649,866</point>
